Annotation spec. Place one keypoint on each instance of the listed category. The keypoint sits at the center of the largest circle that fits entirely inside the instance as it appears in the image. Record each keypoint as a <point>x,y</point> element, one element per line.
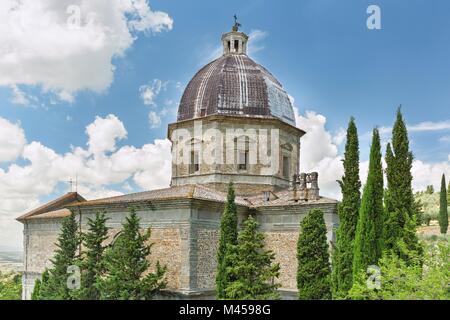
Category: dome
<point>234,84</point>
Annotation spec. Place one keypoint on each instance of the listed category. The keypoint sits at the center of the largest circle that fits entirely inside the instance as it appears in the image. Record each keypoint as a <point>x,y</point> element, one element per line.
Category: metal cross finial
<point>236,23</point>
<point>70,181</point>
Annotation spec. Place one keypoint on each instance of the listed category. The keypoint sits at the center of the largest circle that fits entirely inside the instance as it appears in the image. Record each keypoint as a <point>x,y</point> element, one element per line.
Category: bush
<point>10,286</point>
<point>427,278</point>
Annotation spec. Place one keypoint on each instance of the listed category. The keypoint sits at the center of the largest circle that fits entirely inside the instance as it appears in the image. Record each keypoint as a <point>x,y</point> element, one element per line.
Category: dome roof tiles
<point>236,85</point>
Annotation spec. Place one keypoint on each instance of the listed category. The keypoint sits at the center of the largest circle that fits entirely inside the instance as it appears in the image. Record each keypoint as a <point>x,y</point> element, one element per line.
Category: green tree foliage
<point>448,193</point>
<point>36,294</point>
<point>36,290</point>
<point>55,286</point>
<point>368,240</point>
<point>228,236</point>
<point>93,265</point>
<point>443,210</point>
<point>127,268</point>
<point>399,199</point>
<point>348,212</point>
<point>430,189</point>
<point>424,277</point>
<point>251,267</point>
<point>313,274</point>
<point>10,286</point>
<point>418,209</point>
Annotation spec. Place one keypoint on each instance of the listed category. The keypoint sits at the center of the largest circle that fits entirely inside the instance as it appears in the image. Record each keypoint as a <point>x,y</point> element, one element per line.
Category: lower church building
<point>235,124</point>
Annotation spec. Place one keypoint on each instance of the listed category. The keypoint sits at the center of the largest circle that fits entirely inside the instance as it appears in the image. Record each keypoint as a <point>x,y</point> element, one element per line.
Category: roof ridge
<point>53,205</point>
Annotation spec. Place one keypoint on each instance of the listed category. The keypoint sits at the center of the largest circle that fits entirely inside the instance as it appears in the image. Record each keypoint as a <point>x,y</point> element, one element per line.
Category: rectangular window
<point>194,164</point>
<point>286,167</point>
<point>243,160</point>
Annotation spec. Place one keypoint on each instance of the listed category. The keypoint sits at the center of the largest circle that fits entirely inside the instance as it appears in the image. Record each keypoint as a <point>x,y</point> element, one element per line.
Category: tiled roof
<point>235,85</point>
<point>61,207</point>
<point>178,192</point>
<point>56,204</point>
<point>60,213</point>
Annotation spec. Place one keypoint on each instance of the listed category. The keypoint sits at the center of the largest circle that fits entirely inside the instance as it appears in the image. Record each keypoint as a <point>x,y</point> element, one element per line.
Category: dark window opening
<point>286,169</point>
<point>236,45</point>
<point>242,148</point>
<point>243,160</point>
<point>194,164</point>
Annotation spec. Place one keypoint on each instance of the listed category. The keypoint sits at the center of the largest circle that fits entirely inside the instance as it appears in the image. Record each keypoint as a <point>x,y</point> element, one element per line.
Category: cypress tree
<point>228,236</point>
<point>400,214</point>
<point>448,193</point>
<point>127,265</point>
<point>251,268</point>
<point>348,211</point>
<point>36,290</point>
<point>313,274</point>
<point>55,286</point>
<point>368,241</point>
<point>93,266</point>
<point>443,210</point>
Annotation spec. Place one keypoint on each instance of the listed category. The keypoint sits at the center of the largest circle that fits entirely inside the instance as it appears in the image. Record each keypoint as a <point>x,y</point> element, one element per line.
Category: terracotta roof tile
<point>61,207</point>
<point>61,213</point>
<point>56,204</point>
<point>178,192</point>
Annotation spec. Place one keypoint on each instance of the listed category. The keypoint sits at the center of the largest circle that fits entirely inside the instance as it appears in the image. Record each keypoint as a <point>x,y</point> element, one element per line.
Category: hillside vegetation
<point>430,203</point>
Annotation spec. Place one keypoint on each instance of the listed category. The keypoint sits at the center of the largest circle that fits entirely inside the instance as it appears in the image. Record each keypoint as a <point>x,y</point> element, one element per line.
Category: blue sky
<point>320,50</point>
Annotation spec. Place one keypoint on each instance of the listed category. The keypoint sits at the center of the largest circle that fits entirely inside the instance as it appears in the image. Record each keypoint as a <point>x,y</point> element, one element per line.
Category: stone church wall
<point>281,228</point>
<point>185,237</point>
<point>40,236</point>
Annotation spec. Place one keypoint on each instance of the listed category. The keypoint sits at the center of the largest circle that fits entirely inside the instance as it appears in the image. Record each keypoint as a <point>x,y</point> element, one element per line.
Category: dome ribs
<point>235,85</point>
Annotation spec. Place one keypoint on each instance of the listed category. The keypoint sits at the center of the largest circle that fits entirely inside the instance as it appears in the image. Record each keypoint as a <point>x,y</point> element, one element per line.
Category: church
<point>235,124</point>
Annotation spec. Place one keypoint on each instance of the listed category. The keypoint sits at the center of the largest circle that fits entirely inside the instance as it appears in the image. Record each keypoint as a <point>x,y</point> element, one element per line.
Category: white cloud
<point>12,140</point>
<point>255,39</point>
<point>102,164</point>
<point>340,136</point>
<point>148,20</point>
<point>430,126</point>
<point>425,174</point>
<point>18,96</point>
<point>154,119</point>
<point>426,126</point>
<point>149,92</point>
<point>104,132</point>
<point>319,152</point>
<point>65,46</point>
